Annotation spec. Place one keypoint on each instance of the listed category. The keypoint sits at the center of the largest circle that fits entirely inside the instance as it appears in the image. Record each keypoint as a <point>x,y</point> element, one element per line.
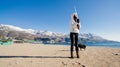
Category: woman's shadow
<point>36,56</point>
<point>33,57</point>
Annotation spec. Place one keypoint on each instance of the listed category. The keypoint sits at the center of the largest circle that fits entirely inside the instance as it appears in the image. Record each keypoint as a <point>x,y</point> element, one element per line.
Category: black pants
<point>74,41</point>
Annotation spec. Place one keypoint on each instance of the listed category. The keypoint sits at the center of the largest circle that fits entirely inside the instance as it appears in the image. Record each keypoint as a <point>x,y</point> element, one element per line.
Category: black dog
<point>82,46</point>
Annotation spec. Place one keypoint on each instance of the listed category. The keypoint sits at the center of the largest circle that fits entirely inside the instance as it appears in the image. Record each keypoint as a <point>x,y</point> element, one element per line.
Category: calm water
<point>103,44</point>
<point>112,45</point>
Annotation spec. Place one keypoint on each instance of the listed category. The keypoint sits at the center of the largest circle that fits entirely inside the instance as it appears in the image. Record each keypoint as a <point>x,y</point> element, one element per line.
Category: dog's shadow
<point>33,57</point>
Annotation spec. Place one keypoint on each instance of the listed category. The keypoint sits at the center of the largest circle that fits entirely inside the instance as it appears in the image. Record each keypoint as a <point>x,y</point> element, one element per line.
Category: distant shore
<point>40,55</point>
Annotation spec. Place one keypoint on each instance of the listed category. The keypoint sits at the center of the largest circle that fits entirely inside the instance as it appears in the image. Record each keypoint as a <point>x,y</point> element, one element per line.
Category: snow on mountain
<point>49,33</point>
<point>15,28</point>
<point>4,27</point>
<point>90,36</point>
<point>31,31</point>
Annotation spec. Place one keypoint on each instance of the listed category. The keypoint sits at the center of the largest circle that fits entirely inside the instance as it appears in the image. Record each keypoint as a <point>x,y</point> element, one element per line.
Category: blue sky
<point>101,17</point>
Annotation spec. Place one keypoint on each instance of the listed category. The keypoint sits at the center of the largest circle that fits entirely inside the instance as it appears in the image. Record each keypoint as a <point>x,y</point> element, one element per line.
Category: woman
<point>74,32</point>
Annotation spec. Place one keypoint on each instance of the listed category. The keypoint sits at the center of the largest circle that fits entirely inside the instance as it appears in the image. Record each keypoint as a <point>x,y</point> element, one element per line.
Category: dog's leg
<point>80,48</point>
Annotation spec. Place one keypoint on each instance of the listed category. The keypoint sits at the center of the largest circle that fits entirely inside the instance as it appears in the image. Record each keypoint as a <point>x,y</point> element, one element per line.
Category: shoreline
<point>106,46</point>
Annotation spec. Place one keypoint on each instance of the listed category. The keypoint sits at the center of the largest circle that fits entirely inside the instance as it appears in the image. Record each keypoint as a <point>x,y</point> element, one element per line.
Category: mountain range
<point>30,34</point>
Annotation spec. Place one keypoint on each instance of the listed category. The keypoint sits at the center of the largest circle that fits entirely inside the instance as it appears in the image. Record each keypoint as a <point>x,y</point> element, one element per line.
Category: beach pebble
<point>116,54</point>
<point>78,63</point>
<point>83,65</point>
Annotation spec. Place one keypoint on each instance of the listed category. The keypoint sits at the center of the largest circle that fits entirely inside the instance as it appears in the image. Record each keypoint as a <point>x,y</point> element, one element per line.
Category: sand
<point>39,55</point>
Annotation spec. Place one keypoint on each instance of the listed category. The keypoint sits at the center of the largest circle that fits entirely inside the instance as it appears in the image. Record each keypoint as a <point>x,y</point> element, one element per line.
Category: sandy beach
<point>39,55</point>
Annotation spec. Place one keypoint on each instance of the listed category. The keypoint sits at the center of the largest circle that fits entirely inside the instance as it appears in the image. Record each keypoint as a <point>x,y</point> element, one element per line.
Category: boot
<point>71,54</point>
<point>77,53</point>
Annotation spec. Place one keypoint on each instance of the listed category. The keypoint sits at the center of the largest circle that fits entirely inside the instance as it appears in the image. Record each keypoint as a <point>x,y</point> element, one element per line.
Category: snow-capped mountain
<point>17,32</point>
<point>15,28</point>
<point>4,27</point>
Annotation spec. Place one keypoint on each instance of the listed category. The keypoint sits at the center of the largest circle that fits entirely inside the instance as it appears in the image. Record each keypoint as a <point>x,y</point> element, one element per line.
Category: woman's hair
<point>78,21</point>
<point>74,17</point>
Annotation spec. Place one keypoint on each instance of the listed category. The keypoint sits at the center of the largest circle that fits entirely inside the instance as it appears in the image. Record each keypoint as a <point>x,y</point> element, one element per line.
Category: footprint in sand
<point>64,64</point>
<point>74,64</point>
<point>78,64</point>
<point>16,62</point>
